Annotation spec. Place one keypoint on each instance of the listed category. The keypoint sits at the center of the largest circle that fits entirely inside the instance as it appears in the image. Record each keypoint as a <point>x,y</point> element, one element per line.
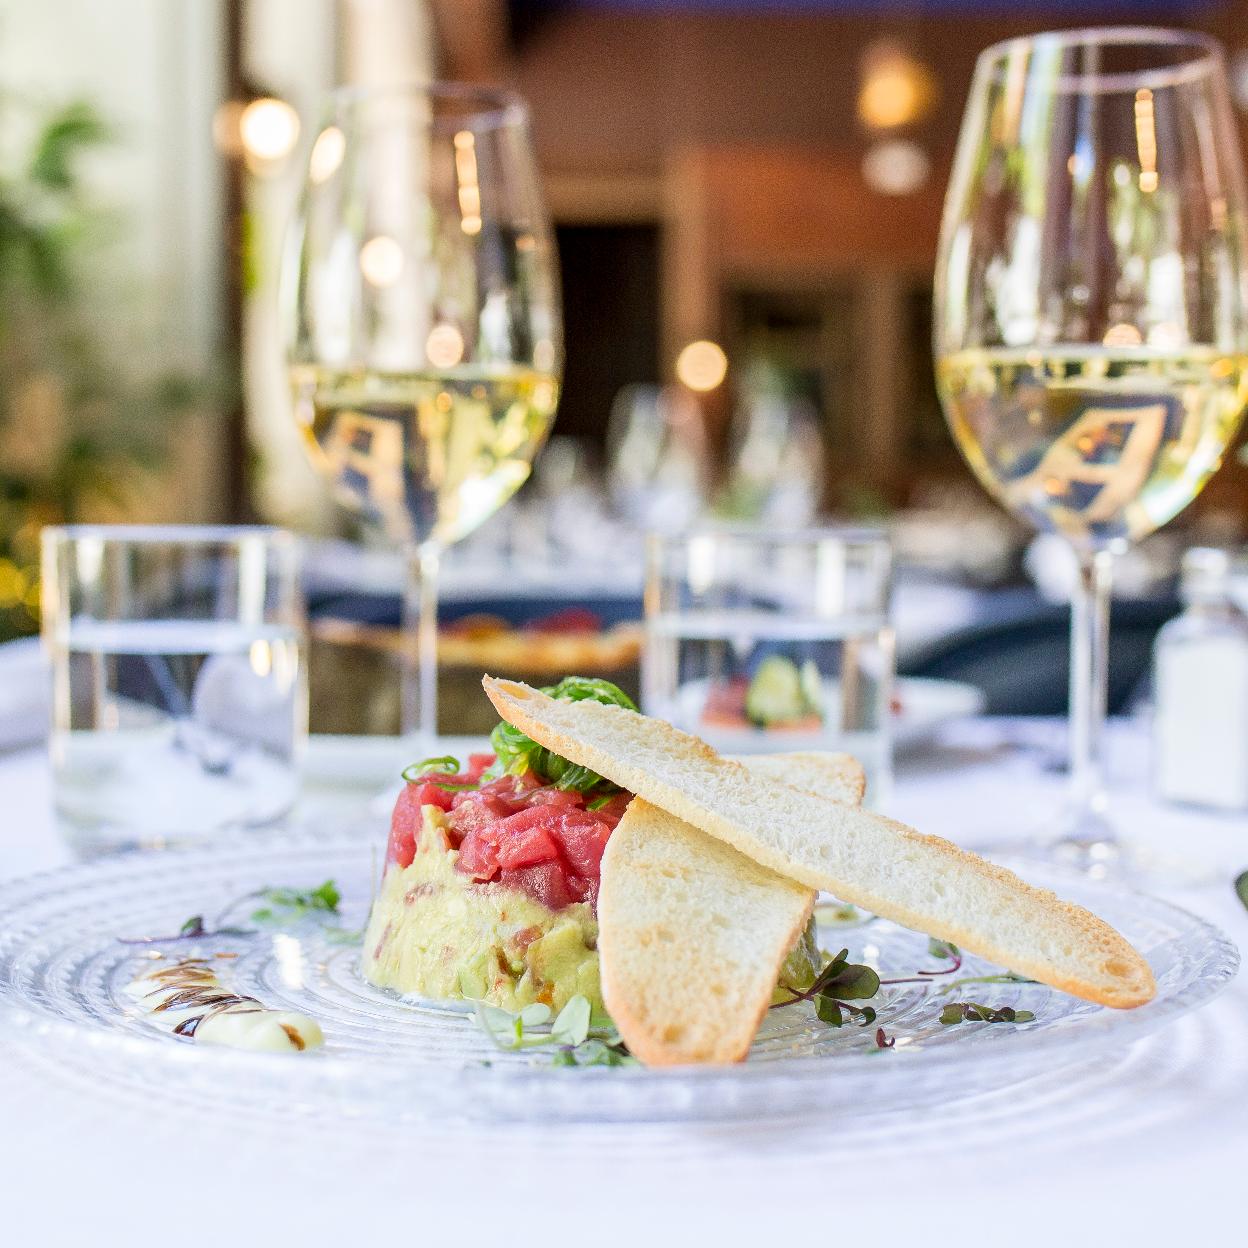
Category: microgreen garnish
<point>595,1052</point>
<point>842,982</point>
<point>839,983</point>
<point>578,1040</point>
<point>1241,887</point>
<point>936,949</point>
<point>282,905</point>
<point>192,929</point>
<point>973,1012</point>
<point>516,752</point>
<point>289,905</point>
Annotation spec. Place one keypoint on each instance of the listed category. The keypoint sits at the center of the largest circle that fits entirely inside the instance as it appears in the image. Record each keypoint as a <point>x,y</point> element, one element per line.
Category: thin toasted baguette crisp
<point>921,882</point>
<point>836,777</point>
<point>692,933</point>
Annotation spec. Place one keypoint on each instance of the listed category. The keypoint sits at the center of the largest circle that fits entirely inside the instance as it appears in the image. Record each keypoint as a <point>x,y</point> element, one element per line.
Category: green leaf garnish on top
<point>437,771</point>
<point>517,752</point>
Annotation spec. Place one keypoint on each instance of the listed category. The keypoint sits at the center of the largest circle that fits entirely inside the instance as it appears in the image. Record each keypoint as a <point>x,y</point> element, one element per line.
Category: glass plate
<point>63,970</point>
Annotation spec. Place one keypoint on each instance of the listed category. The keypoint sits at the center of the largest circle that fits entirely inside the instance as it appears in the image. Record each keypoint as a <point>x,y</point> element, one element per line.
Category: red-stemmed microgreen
<point>973,1012</point>
<point>282,907</point>
<point>839,983</point>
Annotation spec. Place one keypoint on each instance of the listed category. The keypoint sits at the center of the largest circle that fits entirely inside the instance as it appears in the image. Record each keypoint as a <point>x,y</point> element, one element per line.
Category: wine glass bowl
<point>1091,311</point>
<point>422,320</point>
<point>424,342</point>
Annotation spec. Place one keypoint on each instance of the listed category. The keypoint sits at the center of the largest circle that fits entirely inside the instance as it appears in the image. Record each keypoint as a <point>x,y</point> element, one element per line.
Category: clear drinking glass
<point>762,642</point>
<point>1091,316</point>
<point>179,687</point>
<point>422,318</point>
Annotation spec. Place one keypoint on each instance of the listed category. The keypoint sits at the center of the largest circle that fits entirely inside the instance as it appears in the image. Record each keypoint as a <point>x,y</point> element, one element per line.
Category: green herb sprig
<point>974,1012</point>
<point>839,983</point>
<point>193,929</point>
<point>282,906</point>
<point>289,905</point>
<point>517,752</point>
<point>576,1038</point>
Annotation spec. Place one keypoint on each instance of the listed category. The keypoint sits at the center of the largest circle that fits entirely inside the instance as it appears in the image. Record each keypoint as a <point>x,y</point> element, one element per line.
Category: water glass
<point>773,641</point>
<point>179,683</point>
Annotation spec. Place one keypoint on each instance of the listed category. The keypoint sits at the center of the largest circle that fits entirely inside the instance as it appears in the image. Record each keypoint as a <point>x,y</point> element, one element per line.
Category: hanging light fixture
<point>895,88</point>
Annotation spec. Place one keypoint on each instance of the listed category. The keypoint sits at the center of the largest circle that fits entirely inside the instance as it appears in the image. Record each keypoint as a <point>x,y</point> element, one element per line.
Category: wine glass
<point>423,328</point>
<point>1091,319</point>
<point>656,457</point>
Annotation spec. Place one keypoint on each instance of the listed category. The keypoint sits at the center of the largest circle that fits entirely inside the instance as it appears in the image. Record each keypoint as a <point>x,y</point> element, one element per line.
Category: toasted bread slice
<point>919,881</point>
<point>692,933</point>
<point>836,777</point>
<point>691,938</point>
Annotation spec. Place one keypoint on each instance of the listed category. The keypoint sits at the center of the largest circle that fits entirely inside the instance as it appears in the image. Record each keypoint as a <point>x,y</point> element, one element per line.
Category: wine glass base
<point>1087,843</point>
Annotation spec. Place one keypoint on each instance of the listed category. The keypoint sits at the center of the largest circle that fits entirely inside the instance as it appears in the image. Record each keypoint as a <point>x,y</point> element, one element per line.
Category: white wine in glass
<point>1091,315</point>
<point>1100,444</point>
<point>423,329</point>
<point>429,453</point>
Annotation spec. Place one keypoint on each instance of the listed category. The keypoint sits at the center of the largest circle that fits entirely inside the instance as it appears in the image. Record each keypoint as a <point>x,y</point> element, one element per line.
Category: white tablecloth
<point>1147,1146</point>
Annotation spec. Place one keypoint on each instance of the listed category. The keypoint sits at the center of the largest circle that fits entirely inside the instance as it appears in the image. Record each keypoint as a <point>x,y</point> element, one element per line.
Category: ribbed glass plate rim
<point>1214,967</point>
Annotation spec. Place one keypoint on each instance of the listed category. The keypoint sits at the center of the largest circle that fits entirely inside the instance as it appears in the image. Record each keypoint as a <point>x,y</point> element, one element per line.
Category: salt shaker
<point>1201,690</point>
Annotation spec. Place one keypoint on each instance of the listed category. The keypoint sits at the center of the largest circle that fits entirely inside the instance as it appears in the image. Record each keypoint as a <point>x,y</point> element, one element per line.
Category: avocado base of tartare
<point>435,933</point>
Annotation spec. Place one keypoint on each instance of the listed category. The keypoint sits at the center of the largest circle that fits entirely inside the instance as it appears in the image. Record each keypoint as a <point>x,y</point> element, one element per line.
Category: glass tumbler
<point>179,683</point>
<point>773,641</point>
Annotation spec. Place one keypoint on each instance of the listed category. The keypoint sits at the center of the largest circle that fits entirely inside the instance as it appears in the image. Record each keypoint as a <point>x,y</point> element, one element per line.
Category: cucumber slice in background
<point>775,694</point>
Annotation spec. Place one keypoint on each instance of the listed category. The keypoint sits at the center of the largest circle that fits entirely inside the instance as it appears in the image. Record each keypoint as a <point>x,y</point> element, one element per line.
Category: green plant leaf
<point>973,1012</point>
<point>852,983</point>
<point>70,132</point>
<point>535,1015</point>
<point>828,1011</point>
<point>327,897</point>
<point>288,905</point>
<point>572,1025</point>
<point>573,1036</point>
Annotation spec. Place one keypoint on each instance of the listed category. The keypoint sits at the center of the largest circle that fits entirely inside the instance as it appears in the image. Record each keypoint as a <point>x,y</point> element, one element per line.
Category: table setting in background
<point>661,848</point>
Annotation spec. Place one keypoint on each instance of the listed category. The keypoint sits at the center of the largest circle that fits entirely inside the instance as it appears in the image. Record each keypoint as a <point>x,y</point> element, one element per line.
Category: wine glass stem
<point>419,715</point>
<point>1089,686</point>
